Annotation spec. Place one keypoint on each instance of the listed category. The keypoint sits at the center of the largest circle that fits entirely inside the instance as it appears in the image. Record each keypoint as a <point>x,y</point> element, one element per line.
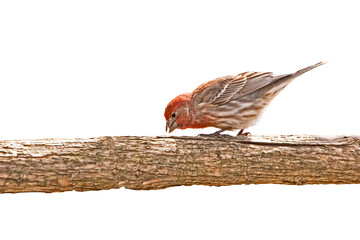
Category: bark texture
<point>55,165</point>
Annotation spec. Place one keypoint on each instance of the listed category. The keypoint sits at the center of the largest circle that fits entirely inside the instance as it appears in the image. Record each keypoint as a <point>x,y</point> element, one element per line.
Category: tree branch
<point>55,165</point>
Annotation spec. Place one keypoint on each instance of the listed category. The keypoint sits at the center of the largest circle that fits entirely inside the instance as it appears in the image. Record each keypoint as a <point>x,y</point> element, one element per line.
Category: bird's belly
<point>240,117</point>
<point>237,122</point>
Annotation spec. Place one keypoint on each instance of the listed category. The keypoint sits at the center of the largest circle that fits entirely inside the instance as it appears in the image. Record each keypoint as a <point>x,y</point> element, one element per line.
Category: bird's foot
<point>209,135</point>
<point>242,133</point>
<point>215,134</point>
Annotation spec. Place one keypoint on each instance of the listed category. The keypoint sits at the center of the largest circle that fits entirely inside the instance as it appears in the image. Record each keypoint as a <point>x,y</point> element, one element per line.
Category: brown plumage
<point>228,103</point>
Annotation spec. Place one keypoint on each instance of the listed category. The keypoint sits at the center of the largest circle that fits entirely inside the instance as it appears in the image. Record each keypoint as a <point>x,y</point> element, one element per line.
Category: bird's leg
<point>242,133</point>
<point>215,134</point>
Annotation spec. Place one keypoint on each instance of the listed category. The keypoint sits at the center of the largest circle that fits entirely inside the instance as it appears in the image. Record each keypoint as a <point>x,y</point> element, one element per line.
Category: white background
<point>109,68</point>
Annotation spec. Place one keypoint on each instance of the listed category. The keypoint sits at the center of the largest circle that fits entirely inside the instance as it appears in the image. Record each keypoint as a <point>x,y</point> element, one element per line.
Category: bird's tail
<point>287,78</point>
<point>276,84</point>
<point>304,70</point>
<point>280,82</point>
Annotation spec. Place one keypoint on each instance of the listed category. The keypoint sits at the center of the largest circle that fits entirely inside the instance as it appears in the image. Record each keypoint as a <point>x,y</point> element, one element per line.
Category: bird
<point>233,102</point>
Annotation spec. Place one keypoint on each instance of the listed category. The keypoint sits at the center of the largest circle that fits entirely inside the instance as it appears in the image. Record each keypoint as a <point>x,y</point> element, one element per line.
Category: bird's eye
<point>173,115</point>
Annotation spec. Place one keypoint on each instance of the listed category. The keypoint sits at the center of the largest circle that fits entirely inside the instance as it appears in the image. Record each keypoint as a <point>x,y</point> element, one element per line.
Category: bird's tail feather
<point>277,84</point>
<point>280,82</point>
<point>304,70</point>
<point>289,77</point>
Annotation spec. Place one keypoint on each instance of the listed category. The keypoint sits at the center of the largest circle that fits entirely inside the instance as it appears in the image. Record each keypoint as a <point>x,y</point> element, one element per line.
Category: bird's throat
<point>200,122</point>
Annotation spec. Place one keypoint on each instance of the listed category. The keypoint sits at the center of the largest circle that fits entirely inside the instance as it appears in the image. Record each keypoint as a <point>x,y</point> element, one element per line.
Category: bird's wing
<point>228,89</point>
<point>222,90</point>
<point>255,82</point>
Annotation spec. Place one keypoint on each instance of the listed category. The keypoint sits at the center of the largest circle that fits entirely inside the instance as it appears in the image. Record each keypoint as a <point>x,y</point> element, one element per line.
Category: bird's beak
<point>171,126</point>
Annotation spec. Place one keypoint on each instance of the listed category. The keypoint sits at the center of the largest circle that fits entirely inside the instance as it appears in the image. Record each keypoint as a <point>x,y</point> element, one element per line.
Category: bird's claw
<point>217,135</point>
<point>244,134</point>
<point>210,135</point>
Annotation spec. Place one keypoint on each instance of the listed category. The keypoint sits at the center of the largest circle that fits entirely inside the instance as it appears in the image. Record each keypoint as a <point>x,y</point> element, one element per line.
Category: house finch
<point>227,103</point>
